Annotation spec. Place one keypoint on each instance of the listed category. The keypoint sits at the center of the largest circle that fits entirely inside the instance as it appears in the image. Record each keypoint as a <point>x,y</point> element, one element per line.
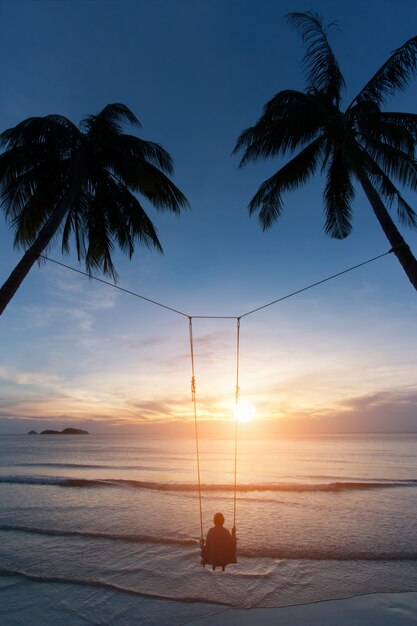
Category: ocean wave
<point>331,487</point>
<point>136,538</point>
<point>92,466</point>
<point>110,586</point>
<point>289,553</point>
<point>319,554</point>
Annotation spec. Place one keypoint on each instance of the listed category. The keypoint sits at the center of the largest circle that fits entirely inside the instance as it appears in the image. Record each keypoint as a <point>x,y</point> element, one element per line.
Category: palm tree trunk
<point>12,284</point>
<point>399,247</point>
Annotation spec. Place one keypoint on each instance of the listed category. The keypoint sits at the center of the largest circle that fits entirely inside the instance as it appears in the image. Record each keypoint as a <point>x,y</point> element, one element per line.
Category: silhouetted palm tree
<point>362,143</point>
<point>81,183</point>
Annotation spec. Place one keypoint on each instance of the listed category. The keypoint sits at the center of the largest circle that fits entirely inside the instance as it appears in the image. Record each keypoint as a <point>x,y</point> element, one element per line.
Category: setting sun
<point>246,411</point>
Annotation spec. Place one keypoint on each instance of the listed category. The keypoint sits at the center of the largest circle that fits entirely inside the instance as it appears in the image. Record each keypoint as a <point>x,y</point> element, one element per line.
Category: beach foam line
<point>332,487</point>
<point>288,553</point>
<point>105,585</point>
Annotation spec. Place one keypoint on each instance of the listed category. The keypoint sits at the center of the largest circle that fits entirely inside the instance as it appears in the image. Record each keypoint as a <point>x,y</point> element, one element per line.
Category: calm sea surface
<point>105,529</point>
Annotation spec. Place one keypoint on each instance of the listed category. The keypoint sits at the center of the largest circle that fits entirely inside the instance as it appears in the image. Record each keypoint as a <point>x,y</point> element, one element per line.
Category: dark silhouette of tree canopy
<point>81,183</point>
<point>362,143</point>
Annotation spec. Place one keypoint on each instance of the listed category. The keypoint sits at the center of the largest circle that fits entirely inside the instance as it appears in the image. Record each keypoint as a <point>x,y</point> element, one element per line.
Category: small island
<point>32,432</point>
<point>66,431</point>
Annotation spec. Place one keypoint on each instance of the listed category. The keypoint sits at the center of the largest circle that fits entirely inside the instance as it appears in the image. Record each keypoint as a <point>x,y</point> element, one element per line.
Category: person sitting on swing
<point>219,548</point>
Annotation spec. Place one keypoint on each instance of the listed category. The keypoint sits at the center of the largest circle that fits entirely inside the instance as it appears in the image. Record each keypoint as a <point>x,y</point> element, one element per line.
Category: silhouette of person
<point>219,548</point>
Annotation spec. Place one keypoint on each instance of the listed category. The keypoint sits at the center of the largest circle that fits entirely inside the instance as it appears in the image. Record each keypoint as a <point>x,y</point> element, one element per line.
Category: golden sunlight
<point>246,411</point>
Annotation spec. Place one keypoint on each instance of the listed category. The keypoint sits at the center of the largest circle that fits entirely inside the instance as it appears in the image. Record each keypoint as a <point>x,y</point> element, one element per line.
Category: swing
<point>219,549</point>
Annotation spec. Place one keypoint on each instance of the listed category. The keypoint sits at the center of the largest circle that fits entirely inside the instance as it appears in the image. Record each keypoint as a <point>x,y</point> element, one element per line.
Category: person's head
<point>218,519</point>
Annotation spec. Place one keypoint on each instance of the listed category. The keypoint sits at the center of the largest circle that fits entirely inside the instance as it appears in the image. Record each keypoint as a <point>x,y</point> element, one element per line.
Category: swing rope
<point>236,412</point>
<point>193,395</point>
<point>193,387</point>
<point>194,401</point>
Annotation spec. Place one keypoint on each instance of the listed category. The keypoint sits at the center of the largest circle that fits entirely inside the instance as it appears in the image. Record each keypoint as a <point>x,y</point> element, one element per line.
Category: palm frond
<point>386,188</point>
<point>99,251</point>
<point>148,151</point>
<point>268,198</point>
<point>338,196</point>
<point>396,135</point>
<point>100,246</point>
<point>73,225</point>
<point>394,162</point>
<point>158,188</point>
<point>406,121</point>
<point>118,112</point>
<point>33,215</point>
<point>55,130</point>
<point>113,215</point>
<point>379,179</point>
<point>124,154</point>
<point>18,161</point>
<point>405,213</point>
<point>393,76</point>
<point>136,224</point>
<point>368,121</point>
<point>44,185</point>
<point>321,66</point>
<point>111,197</point>
<point>291,120</point>
<point>68,226</point>
<point>111,117</point>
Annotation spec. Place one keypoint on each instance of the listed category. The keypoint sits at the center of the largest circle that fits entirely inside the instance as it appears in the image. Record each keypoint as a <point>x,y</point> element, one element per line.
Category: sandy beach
<point>380,609</point>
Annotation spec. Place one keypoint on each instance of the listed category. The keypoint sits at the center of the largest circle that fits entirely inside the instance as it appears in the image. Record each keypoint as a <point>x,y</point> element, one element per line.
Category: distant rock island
<point>66,431</point>
<point>32,432</point>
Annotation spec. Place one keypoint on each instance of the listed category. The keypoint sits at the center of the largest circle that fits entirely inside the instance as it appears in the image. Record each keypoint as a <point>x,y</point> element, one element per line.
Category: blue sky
<point>196,73</point>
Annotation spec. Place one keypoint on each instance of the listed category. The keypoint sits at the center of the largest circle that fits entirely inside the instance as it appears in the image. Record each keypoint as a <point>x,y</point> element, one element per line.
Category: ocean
<point>104,529</point>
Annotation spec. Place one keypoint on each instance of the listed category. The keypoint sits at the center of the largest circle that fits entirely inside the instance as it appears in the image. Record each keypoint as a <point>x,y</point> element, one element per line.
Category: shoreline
<point>47,603</point>
<point>375,609</point>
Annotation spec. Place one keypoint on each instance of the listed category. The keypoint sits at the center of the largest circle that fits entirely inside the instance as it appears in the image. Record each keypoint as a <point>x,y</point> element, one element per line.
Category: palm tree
<point>81,183</point>
<point>360,144</point>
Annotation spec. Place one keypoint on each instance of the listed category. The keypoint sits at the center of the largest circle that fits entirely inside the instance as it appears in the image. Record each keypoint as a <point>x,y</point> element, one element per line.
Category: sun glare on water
<point>246,411</point>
